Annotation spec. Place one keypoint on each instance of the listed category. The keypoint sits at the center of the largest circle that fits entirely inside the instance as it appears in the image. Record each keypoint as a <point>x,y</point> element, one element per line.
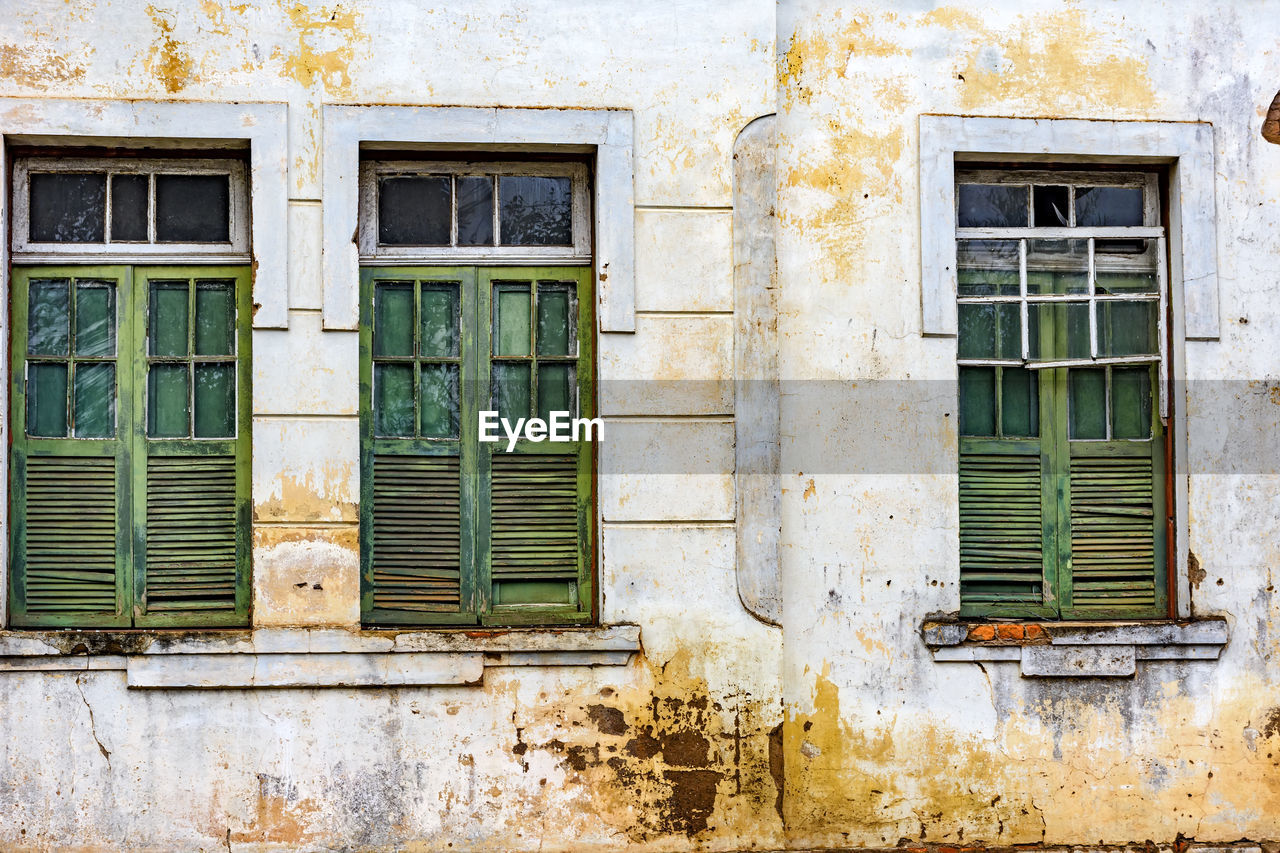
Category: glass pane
<point>1019,402</point>
<point>555,320</point>
<point>129,203</point>
<point>47,399</point>
<point>991,206</point>
<point>439,320</point>
<point>168,401</point>
<point>1009,330</point>
<point>215,400</point>
<point>95,399</point>
<point>535,592</point>
<point>1088,403</point>
<point>68,208</point>
<point>475,211</point>
<point>1127,282</point>
<point>988,267</point>
<point>48,318</point>
<point>555,389</point>
<point>1051,206</point>
<point>439,401</point>
<point>509,392</point>
<point>167,321</point>
<point>1126,328</point>
<point>977,401</point>
<point>1057,266</point>
<point>193,208</point>
<point>95,319</point>
<point>414,211</point>
<point>1131,402</point>
<point>977,331</point>
<point>1119,247</point>
<point>1108,206</point>
<point>536,211</point>
<point>215,318</point>
<point>1078,345</point>
<point>511,319</point>
<point>393,319</point>
<point>393,399</point>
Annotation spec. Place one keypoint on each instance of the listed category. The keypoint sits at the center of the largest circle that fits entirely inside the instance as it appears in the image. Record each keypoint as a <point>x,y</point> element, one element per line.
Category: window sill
<point>1057,649</point>
<point>312,657</point>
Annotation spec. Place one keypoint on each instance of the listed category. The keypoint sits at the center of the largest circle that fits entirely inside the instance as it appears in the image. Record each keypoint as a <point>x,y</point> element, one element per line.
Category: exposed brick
<point>1009,632</point>
<point>982,633</point>
<point>1033,632</point>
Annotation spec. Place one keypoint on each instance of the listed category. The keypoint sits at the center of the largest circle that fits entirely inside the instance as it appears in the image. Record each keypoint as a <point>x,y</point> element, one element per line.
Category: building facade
<point>912,486</point>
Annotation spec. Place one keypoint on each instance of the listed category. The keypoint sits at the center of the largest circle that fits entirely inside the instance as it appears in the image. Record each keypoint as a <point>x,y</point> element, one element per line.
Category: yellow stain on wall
<point>326,39</point>
<point>167,59</point>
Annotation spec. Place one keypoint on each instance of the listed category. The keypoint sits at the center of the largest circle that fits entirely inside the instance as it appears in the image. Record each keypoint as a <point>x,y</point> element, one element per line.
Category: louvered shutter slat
<point>1000,530</point>
<point>534,519</point>
<point>191,553</point>
<point>1113,532</point>
<point>416,533</point>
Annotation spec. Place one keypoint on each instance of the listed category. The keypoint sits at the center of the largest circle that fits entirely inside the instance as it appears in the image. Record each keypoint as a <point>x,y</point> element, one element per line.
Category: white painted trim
<point>1186,145</point>
<point>233,249</point>
<point>608,132</point>
<point>264,126</point>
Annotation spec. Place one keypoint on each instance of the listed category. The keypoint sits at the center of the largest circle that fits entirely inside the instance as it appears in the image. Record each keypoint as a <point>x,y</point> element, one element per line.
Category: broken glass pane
<point>1051,206</point>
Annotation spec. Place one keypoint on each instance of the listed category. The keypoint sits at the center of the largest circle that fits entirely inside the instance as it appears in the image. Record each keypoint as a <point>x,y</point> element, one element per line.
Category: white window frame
<point>1150,230</point>
<point>372,252</point>
<point>1185,147</point>
<point>607,134</point>
<point>236,250</point>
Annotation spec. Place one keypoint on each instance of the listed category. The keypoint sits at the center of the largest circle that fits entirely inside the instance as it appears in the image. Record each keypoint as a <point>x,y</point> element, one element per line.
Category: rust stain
<point>325,48</point>
<point>26,66</point>
<point>809,490</point>
<point>311,498</point>
<point>168,60</point>
<point>280,816</point>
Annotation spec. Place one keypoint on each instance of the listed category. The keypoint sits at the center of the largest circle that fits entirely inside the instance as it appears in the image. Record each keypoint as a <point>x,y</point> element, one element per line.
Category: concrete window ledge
<point>311,657</point>
<point>1058,649</point>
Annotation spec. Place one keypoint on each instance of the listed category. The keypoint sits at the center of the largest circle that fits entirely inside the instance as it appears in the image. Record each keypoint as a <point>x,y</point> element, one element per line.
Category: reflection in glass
<point>991,206</point>
<point>1087,390</point>
<point>215,318</point>
<point>193,208</point>
<point>1131,402</point>
<point>535,211</point>
<point>439,401</point>
<point>167,330</point>
<point>95,400</point>
<point>95,319</point>
<point>509,390</point>
<point>393,399</point>
<point>48,318</point>
<point>168,401</point>
<point>215,400</point>
<point>129,203</point>
<point>988,267</point>
<point>47,399</point>
<point>1126,328</point>
<point>439,332</point>
<point>475,211</point>
<point>555,318</point>
<point>414,211</point>
<point>1108,206</point>
<point>68,208</point>
<point>393,319</point>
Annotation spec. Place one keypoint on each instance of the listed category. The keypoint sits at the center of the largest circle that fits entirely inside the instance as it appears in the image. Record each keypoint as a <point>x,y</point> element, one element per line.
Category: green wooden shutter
<point>417,535</point>
<point>1113,535</point>
<point>191,507</point>
<point>1001,532</point>
<point>69,491</point>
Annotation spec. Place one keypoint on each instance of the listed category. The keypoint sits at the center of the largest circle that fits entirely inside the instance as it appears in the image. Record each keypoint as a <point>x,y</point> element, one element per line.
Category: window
<point>455,530</point>
<point>1062,341</point>
<point>129,398</point>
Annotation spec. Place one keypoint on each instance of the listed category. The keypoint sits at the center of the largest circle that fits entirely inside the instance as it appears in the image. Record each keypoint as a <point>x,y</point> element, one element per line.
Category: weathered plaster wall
<point>881,743</point>
<point>680,747</point>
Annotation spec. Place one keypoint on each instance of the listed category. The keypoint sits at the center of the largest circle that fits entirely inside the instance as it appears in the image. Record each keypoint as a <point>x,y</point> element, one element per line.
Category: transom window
<point>106,208</point>
<point>1061,349</point>
<point>475,210</point>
